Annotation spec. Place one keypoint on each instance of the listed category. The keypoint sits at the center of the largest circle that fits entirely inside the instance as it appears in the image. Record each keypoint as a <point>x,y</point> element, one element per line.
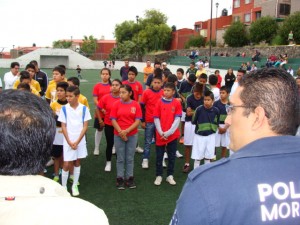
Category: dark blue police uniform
<point>259,184</point>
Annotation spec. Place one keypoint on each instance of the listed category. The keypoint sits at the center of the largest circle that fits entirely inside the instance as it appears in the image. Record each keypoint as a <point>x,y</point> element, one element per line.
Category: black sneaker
<point>130,183</point>
<point>120,183</point>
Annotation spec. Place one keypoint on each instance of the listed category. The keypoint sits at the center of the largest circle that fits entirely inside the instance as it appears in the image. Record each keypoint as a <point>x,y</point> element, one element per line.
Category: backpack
<point>83,112</point>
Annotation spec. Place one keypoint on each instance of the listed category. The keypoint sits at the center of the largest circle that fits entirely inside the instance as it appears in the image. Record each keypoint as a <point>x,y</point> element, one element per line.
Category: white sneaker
<point>96,151</point>
<point>178,155</point>
<point>165,155</point>
<point>158,180</point>
<point>139,149</point>
<point>145,164</point>
<point>50,162</point>
<point>108,166</point>
<point>171,180</point>
<point>164,164</point>
<point>113,150</point>
<point>75,191</point>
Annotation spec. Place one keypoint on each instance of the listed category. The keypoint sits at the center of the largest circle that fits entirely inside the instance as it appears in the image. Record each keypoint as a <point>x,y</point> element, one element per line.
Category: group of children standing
<point>170,100</point>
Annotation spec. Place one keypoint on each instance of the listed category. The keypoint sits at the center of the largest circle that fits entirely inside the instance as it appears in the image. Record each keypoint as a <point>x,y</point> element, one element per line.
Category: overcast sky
<point>24,22</point>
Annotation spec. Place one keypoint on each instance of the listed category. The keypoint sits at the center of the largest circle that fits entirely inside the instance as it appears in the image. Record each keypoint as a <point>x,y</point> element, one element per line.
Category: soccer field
<point>147,204</point>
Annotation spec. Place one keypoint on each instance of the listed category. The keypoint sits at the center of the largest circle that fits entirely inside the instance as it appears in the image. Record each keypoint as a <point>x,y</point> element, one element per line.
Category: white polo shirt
<point>31,199</point>
<point>74,121</point>
<point>9,80</point>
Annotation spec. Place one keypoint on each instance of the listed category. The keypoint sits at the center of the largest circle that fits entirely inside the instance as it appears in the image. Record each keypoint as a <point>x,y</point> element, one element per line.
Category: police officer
<point>260,182</point>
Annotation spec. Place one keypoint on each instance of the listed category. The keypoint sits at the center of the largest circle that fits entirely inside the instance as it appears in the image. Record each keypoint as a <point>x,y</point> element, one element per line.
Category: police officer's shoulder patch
<point>204,168</point>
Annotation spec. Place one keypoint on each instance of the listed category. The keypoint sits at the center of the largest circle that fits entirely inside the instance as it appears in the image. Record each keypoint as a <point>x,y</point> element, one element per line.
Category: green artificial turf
<point>147,204</point>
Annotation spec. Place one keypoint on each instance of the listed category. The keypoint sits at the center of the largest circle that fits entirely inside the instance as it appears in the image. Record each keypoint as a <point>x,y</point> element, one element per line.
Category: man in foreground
<point>27,130</point>
<point>260,182</point>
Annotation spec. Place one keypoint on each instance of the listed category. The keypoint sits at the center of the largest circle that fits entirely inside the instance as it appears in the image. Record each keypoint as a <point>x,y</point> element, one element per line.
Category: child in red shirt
<point>125,116</point>
<point>105,105</point>
<point>100,89</point>
<point>149,100</point>
<point>167,115</point>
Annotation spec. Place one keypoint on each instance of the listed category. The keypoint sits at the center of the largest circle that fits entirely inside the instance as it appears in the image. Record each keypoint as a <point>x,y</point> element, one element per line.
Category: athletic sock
<point>98,136</point>
<point>206,161</point>
<point>64,178</point>
<point>196,163</point>
<point>76,175</point>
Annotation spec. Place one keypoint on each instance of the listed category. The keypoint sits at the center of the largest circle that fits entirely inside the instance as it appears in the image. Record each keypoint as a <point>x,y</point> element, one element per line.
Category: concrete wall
<point>295,6</point>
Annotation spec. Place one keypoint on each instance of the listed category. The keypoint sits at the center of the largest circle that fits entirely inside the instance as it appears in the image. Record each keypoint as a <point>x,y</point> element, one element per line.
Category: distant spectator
<point>238,54</point>
<point>229,79</point>
<point>290,71</point>
<point>253,67</point>
<point>217,73</point>
<point>271,60</point>
<point>78,69</point>
<point>248,66</point>
<point>244,54</point>
<point>124,71</point>
<point>291,38</point>
<point>105,63</point>
<point>255,56</point>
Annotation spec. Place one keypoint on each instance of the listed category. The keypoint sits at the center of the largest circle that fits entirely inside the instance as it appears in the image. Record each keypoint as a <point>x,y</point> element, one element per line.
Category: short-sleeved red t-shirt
<point>126,113</point>
<point>106,103</point>
<point>99,91</point>
<point>137,88</point>
<point>166,111</point>
<point>150,98</point>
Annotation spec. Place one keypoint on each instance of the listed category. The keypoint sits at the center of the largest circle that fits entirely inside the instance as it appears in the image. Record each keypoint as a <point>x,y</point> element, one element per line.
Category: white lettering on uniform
<point>264,190</point>
<point>276,192</point>
<point>279,210</point>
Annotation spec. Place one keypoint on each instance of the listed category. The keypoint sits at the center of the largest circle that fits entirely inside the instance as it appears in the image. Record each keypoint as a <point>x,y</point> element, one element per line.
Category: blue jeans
<point>125,155</point>
<point>171,151</point>
<point>149,134</point>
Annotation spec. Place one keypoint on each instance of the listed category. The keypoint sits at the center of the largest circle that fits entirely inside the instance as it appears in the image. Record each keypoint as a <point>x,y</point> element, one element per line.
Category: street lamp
<point>210,29</point>
<point>137,45</point>
<point>217,5</point>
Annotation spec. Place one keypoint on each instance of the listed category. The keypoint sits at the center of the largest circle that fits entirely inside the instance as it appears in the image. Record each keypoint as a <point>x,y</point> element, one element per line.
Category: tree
<point>291,23</point>
<point>61,44</point>
<point>89,45</point>
<point>195,41</point>
<point>263,29</point>
<point>236,35</point>
<point>149,34</point>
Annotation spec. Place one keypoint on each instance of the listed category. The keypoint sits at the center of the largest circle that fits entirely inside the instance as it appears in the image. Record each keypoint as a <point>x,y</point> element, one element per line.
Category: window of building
<point>236,3</point>
<point>258,15</point>
<point>236,18</point>
<point>247,18</point>
<point>285,9</point>
<point>247,1</point>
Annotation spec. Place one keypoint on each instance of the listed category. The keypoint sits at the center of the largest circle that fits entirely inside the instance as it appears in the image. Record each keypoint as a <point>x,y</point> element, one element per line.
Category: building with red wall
<point>181,36</point>
<point>245,11</point>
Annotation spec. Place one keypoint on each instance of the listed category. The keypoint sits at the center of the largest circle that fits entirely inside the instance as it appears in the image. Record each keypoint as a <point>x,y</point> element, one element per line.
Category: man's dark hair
<point>198,87</point>
<point>74,80</point>
<point>157,71</point>
<point>64,85</point>
<point>180,70</point>
<point>224,88</point>
<point>74,90</point>
<point>13,64</point>
<point>172,78</point>
<point>27,132</point>
<point>170,85</point>
<point>31,66</point>
<point>24,86</point>
<point>34,62</point>
<point>203,76</point>
<point>242,71</point>
<point>276,92</point>
<point>212,79</point>
<point>63,66</point>
<point>209,94</point>
<point>133,69</point>
<point>60,70</point>
<point>192,78</point>
<point>24,75</point>
<point>158,77</point>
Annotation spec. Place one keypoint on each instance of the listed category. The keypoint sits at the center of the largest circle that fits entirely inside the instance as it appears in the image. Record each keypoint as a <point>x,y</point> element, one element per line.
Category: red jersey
<point>150,98</point>
<point>166,111</point>
<point>137,88</point>
<point>106,102</point>
<point>99,91</point>
<point>126,113</point>
<point>219,81</point>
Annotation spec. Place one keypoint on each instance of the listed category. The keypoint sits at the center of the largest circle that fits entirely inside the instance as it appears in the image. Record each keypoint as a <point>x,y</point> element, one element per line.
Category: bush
<point>277,40</point>
<point>291,23</point>
<point>195,41</point>
<point>213,43</point>
<point>263,29</point>
<point>236,35</point>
